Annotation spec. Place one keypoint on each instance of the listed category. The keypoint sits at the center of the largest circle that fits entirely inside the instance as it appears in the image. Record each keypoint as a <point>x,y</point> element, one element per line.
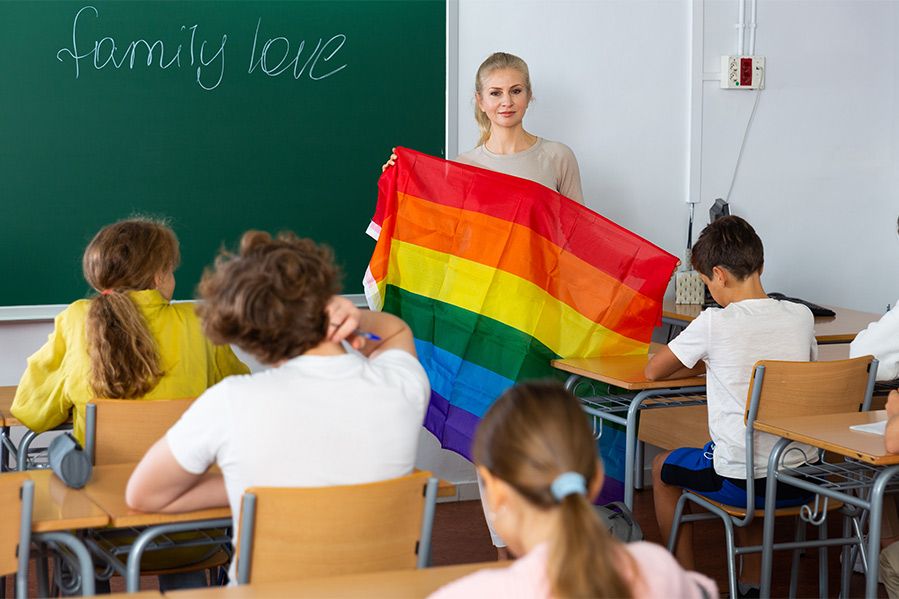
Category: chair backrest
<point>295,533</point>
<point>805,388</point>
<point>16,499</point>
<point>119,431</point>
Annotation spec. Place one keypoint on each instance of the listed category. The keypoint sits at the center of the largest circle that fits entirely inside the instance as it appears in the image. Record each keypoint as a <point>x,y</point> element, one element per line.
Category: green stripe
<point>499,347</point>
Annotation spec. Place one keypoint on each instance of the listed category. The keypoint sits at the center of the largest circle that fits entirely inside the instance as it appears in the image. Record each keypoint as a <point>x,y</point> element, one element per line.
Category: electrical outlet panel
<point>742,72</point>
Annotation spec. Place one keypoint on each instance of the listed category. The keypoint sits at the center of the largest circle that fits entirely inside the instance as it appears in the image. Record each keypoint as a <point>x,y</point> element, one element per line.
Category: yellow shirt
<point>57,378</point>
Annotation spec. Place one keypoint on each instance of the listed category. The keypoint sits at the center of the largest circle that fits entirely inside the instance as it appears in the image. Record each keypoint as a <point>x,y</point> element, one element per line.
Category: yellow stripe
<point>506,298</point>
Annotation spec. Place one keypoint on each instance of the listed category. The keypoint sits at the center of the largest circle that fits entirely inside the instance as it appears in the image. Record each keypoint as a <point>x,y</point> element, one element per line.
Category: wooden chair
<point>120,431</point>
<point>295,533</point>
<point>17,499</point>
<point>780,389</point>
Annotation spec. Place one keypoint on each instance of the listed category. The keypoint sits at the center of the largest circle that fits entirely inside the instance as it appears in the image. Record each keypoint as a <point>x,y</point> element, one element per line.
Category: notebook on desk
<point>815,308</point>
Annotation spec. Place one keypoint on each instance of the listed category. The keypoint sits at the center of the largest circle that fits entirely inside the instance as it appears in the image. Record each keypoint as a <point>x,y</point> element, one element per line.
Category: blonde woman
<point>502,96</point>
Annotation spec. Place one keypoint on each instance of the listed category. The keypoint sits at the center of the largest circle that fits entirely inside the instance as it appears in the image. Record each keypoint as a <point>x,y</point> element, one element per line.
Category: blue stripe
<point>465,385</point>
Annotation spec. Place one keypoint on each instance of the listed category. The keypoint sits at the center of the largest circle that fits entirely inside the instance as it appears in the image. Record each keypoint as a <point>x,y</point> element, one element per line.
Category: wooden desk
<point>107,490</point>
<point>59,510</point>
<point>841,328</point>
<point>57,507</point>
<point>399,584</point>
<point>847,482</point>
<point>832,432</point>
<point>646,397</point>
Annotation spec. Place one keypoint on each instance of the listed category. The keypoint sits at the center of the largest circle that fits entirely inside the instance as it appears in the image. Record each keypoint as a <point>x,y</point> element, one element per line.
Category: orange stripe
<point>514,248</point>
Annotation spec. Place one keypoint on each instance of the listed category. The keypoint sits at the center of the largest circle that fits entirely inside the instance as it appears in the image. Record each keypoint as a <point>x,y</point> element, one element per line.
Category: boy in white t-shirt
<point>726,343</point>
<point>320,416</point>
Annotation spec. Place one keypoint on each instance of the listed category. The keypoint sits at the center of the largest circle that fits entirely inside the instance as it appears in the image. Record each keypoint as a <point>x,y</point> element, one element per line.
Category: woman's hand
<point>343,321</point>
<point>390,161</point>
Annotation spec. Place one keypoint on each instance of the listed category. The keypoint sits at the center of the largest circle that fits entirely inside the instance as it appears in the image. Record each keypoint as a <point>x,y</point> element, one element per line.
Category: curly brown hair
<point>270,298</point>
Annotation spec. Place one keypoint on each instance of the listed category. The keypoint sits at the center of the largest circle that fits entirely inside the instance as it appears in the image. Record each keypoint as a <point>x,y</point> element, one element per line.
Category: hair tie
<point>107,292</point>
<point>568,483</point>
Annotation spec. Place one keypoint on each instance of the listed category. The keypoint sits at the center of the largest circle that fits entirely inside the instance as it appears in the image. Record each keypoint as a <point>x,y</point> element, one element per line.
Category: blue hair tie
<point>568,483</point>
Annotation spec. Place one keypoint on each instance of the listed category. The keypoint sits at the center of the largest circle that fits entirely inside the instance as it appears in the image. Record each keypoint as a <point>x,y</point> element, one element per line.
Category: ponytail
<point>123,355</point>
<point>584,559</point>
<point>125,256</point>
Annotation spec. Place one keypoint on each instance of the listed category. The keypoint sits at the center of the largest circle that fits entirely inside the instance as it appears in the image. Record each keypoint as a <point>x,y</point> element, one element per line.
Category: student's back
<point>313,421</point>
<point>730,341</point>
<point>129,342</point>
<point>323,415</point>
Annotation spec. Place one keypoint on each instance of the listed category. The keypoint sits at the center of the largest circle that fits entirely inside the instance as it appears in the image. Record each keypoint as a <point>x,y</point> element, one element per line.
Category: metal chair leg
<point>731,558</point>
<point>822,560</point>
<point>794,570</point>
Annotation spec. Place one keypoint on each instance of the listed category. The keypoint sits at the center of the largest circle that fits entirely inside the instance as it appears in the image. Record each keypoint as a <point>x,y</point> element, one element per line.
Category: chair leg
<point>794,571</point>
<point>675,523</point>
<point>848,558</point>
<point>822,560</point>
<point>731,558</point>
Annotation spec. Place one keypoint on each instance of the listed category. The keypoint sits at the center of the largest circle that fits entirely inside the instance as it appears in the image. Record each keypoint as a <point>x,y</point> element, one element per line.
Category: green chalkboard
<point>267,115</point>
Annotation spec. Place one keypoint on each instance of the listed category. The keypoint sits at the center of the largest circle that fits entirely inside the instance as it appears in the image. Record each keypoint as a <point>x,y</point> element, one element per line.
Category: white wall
<point>820,173</point>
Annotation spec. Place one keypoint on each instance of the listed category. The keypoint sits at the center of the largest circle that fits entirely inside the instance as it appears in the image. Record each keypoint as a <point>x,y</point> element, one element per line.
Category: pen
<point>366,335</point>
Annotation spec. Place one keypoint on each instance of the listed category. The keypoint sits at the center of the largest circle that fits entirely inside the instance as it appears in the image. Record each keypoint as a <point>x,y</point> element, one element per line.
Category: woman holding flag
<point>501,98</point>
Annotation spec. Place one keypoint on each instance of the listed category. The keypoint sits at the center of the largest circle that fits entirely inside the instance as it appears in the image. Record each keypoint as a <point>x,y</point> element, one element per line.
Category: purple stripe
<point>453,426</point>
<point>612,490</point>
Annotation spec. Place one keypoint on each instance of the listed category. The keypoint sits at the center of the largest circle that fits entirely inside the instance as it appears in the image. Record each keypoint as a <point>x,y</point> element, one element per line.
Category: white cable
<point>758,94</point>
<point>741,27</point>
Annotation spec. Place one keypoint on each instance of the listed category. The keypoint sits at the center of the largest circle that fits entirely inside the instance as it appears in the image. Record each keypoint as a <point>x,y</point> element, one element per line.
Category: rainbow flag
<point>497,276</point>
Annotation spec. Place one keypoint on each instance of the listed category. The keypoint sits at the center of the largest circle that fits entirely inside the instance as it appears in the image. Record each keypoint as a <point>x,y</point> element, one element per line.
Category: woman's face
<point>504,97</point>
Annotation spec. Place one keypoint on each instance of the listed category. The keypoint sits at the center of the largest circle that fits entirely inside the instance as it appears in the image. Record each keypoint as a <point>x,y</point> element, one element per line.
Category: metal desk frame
<point>624,410</point>
<point>849,482</point>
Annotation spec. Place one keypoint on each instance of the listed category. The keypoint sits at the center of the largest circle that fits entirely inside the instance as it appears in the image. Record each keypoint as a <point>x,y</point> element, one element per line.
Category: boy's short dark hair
<point>729,242</point>
<point>270,298</point>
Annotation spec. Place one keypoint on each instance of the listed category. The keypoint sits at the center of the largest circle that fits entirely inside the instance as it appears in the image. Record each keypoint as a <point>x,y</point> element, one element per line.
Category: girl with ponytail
<point>536,455</point>
<point>126,342</point>
<point>502,94</point>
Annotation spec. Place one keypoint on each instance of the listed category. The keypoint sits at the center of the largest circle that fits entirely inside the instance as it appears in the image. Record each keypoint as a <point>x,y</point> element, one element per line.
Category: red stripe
<point>580,231</point>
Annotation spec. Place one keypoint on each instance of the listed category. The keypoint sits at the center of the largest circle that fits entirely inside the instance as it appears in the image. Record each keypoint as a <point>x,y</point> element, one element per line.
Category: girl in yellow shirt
<point>128,342</point>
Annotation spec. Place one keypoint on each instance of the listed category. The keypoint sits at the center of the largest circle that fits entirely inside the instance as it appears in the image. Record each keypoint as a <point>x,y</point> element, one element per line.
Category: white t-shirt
<point>315,421</point>
<point>549,163</point>
<point>730,341</point>
<point>881,340</point>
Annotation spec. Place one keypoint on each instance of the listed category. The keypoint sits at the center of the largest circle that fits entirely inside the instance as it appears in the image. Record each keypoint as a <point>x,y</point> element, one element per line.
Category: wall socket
<point>742,72</point>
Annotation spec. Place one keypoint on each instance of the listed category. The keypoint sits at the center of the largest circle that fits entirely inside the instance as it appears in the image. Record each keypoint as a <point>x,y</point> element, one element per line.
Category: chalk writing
<point>275,57</point>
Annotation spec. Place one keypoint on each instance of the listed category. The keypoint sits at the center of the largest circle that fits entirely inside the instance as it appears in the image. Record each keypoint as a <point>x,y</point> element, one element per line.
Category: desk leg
<point>74,545</point>
<point>630,447</point>
<point>639,463</point>
<point>876,499</point>
<point>768,530</point>
<point>571,382</point>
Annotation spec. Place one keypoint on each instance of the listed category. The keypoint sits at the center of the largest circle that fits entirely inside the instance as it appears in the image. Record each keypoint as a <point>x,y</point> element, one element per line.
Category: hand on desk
<point>665,365</point>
